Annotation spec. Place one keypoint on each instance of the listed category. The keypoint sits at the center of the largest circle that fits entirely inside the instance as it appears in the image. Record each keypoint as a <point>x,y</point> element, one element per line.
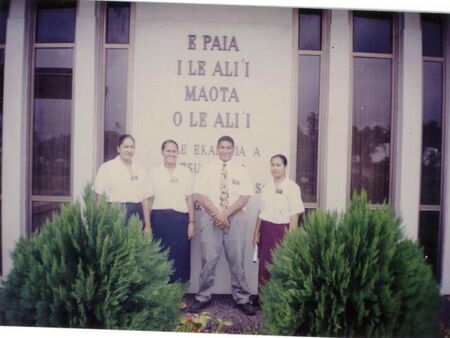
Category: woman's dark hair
<point>281,157</point>
<point>123,138</point>
<point>225,138</point>
<point>163,145</point>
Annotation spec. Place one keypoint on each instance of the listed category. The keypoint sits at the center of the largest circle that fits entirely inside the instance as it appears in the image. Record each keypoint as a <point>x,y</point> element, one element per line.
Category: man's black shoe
<point>197,306</point>
<point>247,308</point>
<point>254,300</point>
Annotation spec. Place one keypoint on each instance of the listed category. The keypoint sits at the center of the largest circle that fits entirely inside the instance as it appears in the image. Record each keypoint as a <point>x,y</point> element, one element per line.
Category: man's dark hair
<point>168,141</point>
<point>225,138</point>
<point>281,157</point>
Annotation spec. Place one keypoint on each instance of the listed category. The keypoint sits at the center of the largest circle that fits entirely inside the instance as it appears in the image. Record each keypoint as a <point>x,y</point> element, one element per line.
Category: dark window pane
<point>302,216</point>
<point>53,74</point>
<point>308,126</point>
<point>52,122</point>
<point>42,212</point>
<point>55,21</point>
<point>432,36</point>
<point>310,30</point>
<point>115,99</point>
<point>4,5</point>
<point>429,238</point>
<point>372,32</point>
<point>118,22</point>
<point>371,128</point>
<point>432,133</point>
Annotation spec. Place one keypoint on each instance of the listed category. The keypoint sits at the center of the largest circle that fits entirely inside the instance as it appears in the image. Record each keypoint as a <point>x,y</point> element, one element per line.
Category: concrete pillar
<point>15,118</point>
<point>408,130</point>
<point>85,114</point>
<point>445,208</point>
<point>337,121</point>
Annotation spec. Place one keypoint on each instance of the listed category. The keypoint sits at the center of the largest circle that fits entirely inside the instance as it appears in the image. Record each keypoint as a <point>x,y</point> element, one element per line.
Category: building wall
<point>244,55</point>
<point>241,62</point>
<point>445,283</point>
<point>408,129</point>
<point>14,170</point>
<point>337,122</point>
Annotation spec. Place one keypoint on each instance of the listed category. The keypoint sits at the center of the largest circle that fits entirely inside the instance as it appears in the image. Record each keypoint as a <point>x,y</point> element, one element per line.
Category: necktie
<point>223,187</point>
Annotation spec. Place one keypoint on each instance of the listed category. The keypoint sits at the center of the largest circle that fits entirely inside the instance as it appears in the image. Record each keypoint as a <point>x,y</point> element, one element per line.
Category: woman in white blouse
<point>281,205</point>
<point>123,181</point>
<point>172,210</point>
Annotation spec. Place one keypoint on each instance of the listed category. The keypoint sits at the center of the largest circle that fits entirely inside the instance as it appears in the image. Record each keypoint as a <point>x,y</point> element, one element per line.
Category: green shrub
<point>350,275</point>
<point>85,269</point>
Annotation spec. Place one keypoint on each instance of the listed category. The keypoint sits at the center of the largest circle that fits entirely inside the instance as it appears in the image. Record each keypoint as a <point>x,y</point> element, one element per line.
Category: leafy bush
<point>85,269</point>
<point>350,275</point>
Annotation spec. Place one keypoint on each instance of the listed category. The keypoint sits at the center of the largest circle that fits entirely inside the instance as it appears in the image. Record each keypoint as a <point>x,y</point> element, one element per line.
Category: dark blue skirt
<point>171,228</point>
<point>134,209</point>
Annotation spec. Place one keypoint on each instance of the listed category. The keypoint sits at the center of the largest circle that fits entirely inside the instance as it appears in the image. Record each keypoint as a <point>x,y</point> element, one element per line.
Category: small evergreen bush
<point>350,275</point>
<point>85,269</point>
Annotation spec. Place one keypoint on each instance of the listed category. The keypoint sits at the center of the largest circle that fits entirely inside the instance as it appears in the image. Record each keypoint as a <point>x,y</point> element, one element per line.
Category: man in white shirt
<point>223,188</point>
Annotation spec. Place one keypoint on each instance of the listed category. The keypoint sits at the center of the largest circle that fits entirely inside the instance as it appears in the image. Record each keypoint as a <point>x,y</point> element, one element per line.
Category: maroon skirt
<point>270,235</point>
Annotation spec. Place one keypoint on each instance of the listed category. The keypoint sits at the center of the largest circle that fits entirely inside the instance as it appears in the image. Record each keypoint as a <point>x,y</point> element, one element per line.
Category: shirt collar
<point>229,162</point>
<point>163,167</point>
<point>282,184</point>
<point>120,162</point>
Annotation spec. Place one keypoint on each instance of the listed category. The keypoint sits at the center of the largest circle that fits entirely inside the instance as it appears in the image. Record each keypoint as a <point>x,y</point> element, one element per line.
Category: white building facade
<point>355,100</point>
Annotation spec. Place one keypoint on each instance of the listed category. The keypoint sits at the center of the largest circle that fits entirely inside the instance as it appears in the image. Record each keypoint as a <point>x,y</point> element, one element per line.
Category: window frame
<point>394,104</point>
<point>323,53</point>
<point>30,125</point>
<point>444,118</point>
<point>3,47</point>
<point>104,46</point>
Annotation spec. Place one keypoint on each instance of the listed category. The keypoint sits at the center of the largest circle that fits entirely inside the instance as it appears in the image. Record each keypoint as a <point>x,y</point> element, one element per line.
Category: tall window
<point>51,129</point>
<point>372,104</point>
<point>309,53</point>
<point>116,53</point>
<point>433,102</point>
<point>4,6</point>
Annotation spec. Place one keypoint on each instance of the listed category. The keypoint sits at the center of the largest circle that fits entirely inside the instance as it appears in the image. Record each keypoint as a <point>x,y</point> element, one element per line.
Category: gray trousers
<point>213,240</point>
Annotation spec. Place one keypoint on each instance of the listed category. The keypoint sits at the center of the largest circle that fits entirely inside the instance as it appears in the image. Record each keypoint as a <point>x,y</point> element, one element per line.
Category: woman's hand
<point>191,230</point>
<point>256,232</point>
<point>147,231</point>
<point>256,239</point>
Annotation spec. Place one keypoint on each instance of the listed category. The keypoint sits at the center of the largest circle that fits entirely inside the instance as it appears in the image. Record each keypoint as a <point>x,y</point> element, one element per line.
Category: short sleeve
<point>101,181</point>
<point>201,182</point>
<point>263,201</point>
<point>151,181</point>
<point>295,200</point>
<point>247,185</point>
<point>189,182</point>
<point>147,187</point>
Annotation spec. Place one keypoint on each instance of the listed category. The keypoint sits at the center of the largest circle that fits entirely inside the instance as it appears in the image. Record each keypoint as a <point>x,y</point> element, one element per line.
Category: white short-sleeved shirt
<point>115,180</point>
<point>238,180</point>
<point>171,190</point>
<point>279,204</point>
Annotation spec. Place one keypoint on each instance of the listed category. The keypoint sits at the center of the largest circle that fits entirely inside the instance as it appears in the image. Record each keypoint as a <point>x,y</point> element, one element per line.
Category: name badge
<point>173,180</point>
<point>235,182</point>
<point>278,191</point>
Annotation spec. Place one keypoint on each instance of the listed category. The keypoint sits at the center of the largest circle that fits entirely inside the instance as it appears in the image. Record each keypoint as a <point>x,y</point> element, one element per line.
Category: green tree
<point>86,269</point>
<point>350,275</point>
